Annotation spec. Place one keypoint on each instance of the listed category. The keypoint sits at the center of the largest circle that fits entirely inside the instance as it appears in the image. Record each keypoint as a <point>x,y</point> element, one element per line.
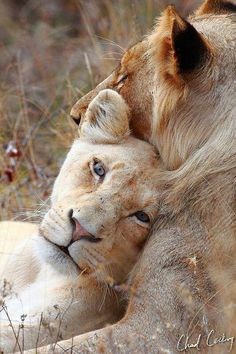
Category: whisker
<point>109,41</point>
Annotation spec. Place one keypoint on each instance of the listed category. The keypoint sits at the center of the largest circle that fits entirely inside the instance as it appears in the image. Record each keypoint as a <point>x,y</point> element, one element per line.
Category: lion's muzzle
<point>80,233</point>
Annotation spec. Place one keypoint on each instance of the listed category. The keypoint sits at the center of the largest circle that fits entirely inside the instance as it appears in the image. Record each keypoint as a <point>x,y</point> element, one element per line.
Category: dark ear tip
<point>189,46</point>
<point>171,8</point>
<point>76,120</point>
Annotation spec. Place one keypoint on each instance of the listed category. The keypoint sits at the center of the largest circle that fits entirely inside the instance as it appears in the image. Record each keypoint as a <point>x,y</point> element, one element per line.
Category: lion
<point>12,234</point>
<point>179,83</point>
<point>67,278</point>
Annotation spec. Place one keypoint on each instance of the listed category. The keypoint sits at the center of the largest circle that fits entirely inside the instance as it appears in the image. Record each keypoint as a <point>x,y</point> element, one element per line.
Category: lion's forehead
<point>129,181</point>
<point>129,155</point>
<point>130,194</point>
<point>135,53</point>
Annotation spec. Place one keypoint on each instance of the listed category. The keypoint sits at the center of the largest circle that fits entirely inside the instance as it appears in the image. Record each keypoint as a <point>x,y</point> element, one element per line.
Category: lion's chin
<point>61,256</point>
<point>57,256</point>
<point>64,252</point>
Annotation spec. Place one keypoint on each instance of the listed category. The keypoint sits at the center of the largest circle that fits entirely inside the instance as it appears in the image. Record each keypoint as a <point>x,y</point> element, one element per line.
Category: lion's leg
<point>16,337</point>
<point>54,311</point>
<point>12,234</point>
<point>20,269</point>
<point>35,316</point>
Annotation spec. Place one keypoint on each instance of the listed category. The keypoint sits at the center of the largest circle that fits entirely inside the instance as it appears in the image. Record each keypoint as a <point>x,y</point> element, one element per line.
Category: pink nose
<point>78,232</point>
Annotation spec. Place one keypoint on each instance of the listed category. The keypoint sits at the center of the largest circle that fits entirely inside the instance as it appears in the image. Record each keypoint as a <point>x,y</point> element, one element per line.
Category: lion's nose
<point>79,232</point>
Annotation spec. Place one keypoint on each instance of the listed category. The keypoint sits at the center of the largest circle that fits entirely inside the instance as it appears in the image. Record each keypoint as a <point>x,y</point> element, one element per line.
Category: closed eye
<point>122,79</point>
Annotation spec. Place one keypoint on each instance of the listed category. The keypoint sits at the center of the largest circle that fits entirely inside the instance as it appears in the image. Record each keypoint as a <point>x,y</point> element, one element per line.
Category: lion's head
<point>105,198</point>
<point>179,83</point>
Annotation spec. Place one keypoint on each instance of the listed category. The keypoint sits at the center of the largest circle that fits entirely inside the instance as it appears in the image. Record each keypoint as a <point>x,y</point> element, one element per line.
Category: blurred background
<point>52,53</point>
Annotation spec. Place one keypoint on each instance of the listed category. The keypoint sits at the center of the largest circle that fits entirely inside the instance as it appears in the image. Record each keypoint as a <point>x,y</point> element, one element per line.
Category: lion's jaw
<point>104,208</point>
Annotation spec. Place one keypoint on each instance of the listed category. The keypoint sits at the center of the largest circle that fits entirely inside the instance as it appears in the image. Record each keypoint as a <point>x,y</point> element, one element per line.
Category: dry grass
<point>52,52</point>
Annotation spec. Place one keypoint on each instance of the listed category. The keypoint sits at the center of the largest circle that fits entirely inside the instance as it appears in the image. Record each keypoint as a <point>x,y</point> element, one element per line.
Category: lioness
<point>104,202</point>
<point>180,86</point>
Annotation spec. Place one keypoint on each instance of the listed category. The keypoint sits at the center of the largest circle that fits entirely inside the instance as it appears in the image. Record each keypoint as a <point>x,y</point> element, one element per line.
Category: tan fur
<point>184,282</point>
<point>63,295</point>
<point>214,7</point>
<point>11,235</point>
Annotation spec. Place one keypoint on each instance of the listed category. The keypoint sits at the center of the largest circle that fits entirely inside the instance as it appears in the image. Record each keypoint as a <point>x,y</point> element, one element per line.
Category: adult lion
<point>180,85</point>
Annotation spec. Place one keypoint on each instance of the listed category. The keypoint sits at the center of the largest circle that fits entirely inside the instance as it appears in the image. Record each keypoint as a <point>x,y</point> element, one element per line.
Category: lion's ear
<point>106,120</point>
<point>216,7</point>
<point>178,47</point>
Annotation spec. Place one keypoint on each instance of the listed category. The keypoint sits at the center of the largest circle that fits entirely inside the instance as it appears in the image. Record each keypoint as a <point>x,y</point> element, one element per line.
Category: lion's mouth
<point>90,238</point>
<point>64,250</point>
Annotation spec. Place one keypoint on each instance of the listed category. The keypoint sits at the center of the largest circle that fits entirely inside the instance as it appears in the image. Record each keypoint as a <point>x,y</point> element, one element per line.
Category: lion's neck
<point>206,215</point>
<point>200,124</point>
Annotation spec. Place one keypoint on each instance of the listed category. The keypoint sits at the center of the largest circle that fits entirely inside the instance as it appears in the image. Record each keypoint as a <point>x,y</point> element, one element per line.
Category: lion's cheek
<point>134,234</point>
<point>86,255</point>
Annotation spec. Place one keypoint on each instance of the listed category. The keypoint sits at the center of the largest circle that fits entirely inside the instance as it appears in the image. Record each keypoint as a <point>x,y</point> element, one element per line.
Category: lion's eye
<point>99,169</point>
<point>141,216</point>
<point>122,79</point>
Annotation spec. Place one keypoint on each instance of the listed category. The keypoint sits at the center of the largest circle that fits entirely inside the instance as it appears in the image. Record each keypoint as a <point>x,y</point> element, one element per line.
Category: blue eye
<point>99,169</point>
<point>141,216</point>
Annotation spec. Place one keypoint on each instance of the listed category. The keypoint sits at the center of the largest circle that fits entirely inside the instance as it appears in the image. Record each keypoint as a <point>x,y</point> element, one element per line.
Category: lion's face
<point>105,198</point>
<point>134,80</point>
<point>178,82</point>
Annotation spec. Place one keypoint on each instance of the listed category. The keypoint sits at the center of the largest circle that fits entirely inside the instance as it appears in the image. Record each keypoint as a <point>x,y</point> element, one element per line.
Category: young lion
<point>104,202</point>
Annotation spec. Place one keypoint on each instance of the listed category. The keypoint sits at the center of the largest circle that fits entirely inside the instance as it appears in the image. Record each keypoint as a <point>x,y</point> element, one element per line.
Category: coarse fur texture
<point>65,276</point>
<point>184,280</point>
